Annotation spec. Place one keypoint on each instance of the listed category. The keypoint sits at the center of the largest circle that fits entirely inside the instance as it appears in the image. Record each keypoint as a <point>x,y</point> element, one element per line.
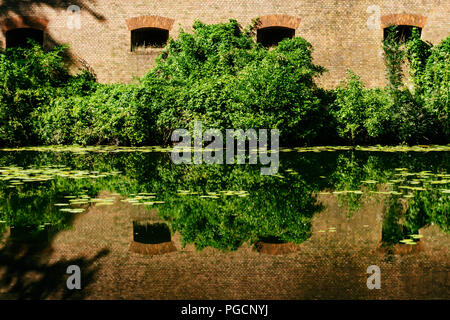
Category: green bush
<point>30,79</point>
<point>279,92</point>
<point>363,115</point>
<point>113,114</point>
<point>220,75</point>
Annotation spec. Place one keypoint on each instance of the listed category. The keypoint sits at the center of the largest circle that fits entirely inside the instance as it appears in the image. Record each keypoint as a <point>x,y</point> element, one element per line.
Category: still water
<point>140,226</point>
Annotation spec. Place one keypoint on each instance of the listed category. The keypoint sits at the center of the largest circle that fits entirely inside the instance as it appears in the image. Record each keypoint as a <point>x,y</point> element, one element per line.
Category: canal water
<point>141,227</point>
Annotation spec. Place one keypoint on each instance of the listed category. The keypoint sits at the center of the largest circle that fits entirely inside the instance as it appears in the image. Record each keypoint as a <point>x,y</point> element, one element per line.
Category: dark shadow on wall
<point>26,272</point>
<point>23,8</point>
<point>30,223</point>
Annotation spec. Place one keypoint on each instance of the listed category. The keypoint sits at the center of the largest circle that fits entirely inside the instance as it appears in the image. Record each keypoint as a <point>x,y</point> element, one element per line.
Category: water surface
<point>143,227</point>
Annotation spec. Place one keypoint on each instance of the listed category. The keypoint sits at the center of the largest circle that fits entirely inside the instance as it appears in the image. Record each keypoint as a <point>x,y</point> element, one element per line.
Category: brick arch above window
<point>150,22</point>
<point>403,19</point>
<point>24,22</point>
<point>278,20</point>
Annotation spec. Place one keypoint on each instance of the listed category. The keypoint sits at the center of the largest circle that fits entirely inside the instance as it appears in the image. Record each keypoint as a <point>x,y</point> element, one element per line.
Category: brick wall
<point>345,34</point>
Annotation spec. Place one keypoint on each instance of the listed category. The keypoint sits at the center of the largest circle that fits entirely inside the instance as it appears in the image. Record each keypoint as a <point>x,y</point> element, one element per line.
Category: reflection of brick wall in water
<point>334,226</point>
<point>337,30</point>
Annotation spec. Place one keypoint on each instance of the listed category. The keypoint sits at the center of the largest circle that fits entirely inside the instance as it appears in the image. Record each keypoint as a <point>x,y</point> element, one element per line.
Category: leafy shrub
<point>30,80</point>
<point>363,115</point>
<point>417,54</point>
<point>221,76</point>
<point>279,92</point>
<point>113,114</point>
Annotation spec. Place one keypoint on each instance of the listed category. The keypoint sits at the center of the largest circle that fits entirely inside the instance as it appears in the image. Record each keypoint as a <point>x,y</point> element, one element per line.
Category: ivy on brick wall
<point>398,113</point>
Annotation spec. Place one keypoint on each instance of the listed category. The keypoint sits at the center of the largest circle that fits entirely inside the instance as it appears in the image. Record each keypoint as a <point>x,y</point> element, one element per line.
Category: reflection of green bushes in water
<point>353,168</point>
<point>393,229</point>
<point>424,209</point>
<point>33,204</point>
<point>32,234</point>
<point>431,207</point>
<point>276,207</point>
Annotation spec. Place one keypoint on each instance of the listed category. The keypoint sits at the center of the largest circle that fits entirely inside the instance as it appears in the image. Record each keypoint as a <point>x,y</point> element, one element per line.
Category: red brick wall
<point>23,22</point>
<point>403,19</point>
<point>150,22</point>
<point>278,20</point>
<point>337,29</point>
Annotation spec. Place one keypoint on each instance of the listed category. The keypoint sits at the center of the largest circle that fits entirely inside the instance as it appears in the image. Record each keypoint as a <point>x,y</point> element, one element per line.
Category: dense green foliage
<point>218,74</point>
<point>30,79</point>
<point>221,76</point>
<point>114,114</point>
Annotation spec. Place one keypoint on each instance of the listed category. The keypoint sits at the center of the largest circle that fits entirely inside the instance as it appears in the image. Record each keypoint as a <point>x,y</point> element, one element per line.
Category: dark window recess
<point>271,36</point>
<point>151,233</point>
<point>271,239</point>
<point>19,37</point>
<point>401,33</point>
<point>149,37</point>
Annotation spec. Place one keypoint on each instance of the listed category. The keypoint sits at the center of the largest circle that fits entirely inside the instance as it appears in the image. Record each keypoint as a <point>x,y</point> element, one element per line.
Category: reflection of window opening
<point>271,36</point>
<point>151,233</point>
<point>19,37</point>
<point>402,33</point>
<point>31,234</point>
<point>272,239</point>
<point>148,37</point>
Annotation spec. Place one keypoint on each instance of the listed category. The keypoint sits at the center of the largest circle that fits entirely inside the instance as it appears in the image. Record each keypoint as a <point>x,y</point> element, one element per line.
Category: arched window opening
<point>402,33</point>
<point>20,37</point>
<point>271,36</point>
<point>148,38</point>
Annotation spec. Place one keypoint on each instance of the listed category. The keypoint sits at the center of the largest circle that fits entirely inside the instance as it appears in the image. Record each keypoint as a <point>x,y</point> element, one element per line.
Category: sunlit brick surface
<point>337,30</point>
